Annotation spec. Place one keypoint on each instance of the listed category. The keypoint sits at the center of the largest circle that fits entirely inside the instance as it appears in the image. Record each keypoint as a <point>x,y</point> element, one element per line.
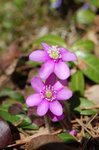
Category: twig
<point>93,130</point>
<point>92,119</point>
<point>82,128</point>
<point>82,125</point>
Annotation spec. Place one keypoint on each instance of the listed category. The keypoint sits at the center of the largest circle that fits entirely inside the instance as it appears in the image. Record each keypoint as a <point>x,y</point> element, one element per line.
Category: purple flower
<point>47,96</point>
<point>86,6</point>
<point>56,3</point>
<point>54,59</point>
<point>73,132</point>
<point>55,118</point>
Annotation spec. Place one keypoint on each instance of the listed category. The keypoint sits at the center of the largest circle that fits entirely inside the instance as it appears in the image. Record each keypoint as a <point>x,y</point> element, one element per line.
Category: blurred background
<point>23,21</point>
<point>24,24</point>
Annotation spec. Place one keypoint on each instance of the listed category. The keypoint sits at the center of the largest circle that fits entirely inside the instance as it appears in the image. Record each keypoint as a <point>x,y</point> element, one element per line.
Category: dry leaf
<point>93,94</point>
<point>5,134</point>
<point>48,142</point>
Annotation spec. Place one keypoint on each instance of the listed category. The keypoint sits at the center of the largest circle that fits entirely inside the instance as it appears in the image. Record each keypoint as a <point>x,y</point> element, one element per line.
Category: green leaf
<point>89,65</point>
<point>33,64</point>
<point>7,24</point>
<point>95,3</point>
<point>12,94</point>
<point>66,137</point>
<point>51,39</point>
<point>24,121</point>
<point>52,1</point>
<point>19,3</point>
<point>83,45</point>
<point>30,127</point>
<point>77,82</point>
<point>8,117</point>
<point>84,103</point>
<point>85,16</point>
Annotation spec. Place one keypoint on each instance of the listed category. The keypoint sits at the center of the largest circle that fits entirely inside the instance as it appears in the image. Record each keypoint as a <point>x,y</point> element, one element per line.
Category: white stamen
<point>54,52</point>
<point>48,93</point>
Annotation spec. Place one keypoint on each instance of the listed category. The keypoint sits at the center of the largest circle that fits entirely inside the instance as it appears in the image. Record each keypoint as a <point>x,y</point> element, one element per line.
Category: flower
<point>55,118</point>
<point>54,59</point>
<point>73,132</point>
<point>47,96</point>
<point>56,3</point>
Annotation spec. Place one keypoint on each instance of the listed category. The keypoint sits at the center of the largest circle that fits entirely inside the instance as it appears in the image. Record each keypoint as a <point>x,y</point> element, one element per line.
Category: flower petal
<point>38,56</point>
<point>69,56</point>
<point>64,94</point>
<point>37,84</point>
<point>51,80</point>
<point>55,118</point>
<point>62,70</point>
<point>42,108</point>
<point>73,132</point>
<point>58,86</point>
<point>46,46</point>
<point>56,108</point>
<point>63,82</point>
<point>33,100</point>
<point>63,50</point>
<point>46,69</point>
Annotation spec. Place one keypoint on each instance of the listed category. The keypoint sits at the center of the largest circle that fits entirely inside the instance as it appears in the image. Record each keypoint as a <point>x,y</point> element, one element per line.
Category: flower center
<point>48,93</point>
<point>54,52</point>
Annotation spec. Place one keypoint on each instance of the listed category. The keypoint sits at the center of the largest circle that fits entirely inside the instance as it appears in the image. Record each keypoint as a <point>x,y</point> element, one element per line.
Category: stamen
<point>54,52</point>
<point>48,93</point>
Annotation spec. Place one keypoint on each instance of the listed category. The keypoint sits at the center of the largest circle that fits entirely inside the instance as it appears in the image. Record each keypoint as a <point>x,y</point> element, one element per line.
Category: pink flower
<point>55,118</point>
<point>47,96</point>
<point>73,132</point>
<point>54,59</point>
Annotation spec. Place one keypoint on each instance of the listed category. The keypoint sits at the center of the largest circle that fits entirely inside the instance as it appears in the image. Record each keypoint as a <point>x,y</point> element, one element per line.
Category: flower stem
<point>67,120</point>
<point>47,123</point>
